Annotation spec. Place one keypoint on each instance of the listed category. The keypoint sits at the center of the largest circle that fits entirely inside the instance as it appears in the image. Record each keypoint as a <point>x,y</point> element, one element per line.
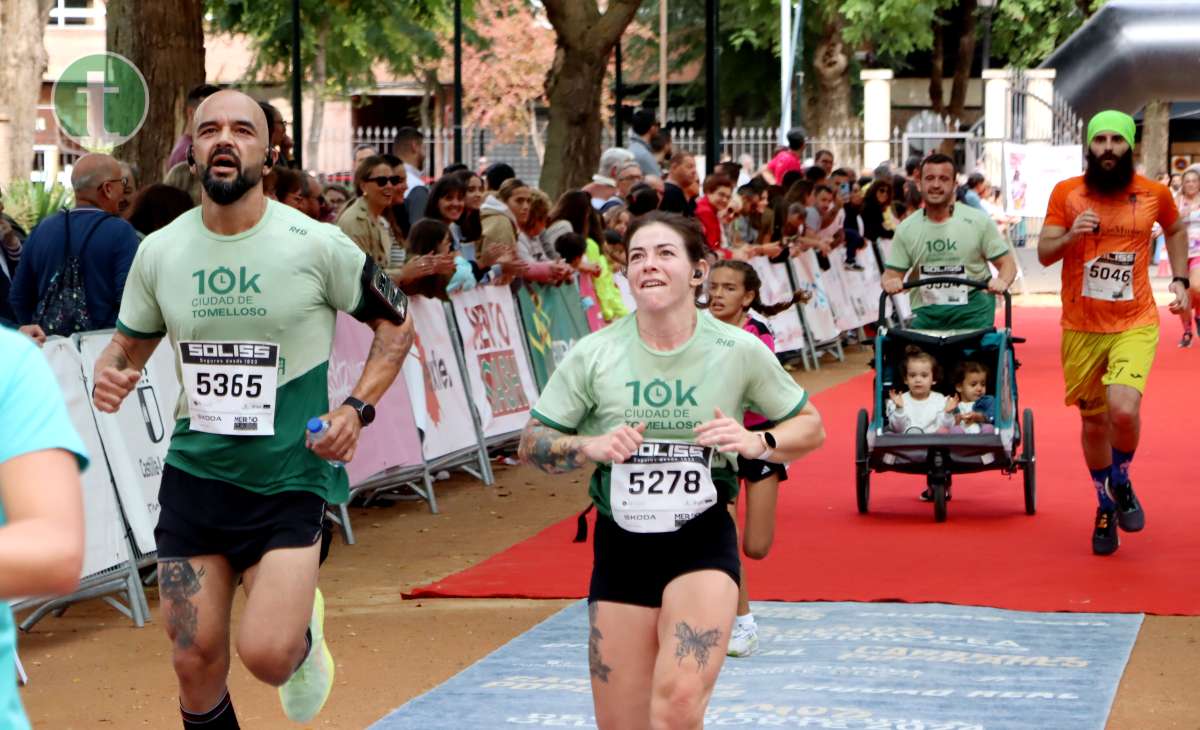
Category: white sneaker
<point>305,693</point>
<point>743,641</point>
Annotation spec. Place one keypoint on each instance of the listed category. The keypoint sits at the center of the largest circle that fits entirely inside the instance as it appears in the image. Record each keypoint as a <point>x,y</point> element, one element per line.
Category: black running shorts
<point>635,568</point>
<point>209,517</point>
<point>754,470</point>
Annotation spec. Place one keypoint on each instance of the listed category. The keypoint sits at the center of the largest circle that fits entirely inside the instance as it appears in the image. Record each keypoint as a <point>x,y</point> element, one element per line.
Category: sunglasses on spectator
<point>381,180</point>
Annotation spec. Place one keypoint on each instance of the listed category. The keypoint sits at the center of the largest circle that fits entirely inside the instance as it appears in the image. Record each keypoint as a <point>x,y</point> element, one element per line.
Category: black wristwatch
<point>769,438</point>
<point>366,411</point>
<point>1187,283</point>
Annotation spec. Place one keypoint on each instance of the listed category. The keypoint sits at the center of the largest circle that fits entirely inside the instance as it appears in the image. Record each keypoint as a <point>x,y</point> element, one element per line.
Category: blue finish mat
<point>851,666</point>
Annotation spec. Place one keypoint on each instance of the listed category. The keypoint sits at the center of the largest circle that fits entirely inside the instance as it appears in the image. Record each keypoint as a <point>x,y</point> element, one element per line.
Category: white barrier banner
<point>776,287</point>
<point>818,310</point>
<point>860,292</point>
<point>501,379</point>
<point>1032,170</point>
<point>137,436</point>
<point>900,301</point>
<point>446,415</point>
<point>103,530</point>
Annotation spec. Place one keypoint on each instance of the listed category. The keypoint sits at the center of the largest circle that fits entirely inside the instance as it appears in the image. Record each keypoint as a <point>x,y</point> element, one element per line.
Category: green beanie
<point>1112,121</point>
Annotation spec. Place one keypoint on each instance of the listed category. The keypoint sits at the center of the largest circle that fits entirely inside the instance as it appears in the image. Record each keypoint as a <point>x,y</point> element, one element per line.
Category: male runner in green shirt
<point>247,290</point>
<point>946,239</point>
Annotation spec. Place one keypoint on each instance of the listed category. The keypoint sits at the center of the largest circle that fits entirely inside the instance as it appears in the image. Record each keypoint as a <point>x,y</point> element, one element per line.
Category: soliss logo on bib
<point>230,386</point>
<point>662,487</point>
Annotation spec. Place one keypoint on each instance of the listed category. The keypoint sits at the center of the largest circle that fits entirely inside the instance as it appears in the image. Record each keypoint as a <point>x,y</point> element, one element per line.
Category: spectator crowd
<point>436,235</point>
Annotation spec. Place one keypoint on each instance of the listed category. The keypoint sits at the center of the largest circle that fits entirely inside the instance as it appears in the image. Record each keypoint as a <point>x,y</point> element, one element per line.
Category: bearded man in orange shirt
<point>1099,226</point>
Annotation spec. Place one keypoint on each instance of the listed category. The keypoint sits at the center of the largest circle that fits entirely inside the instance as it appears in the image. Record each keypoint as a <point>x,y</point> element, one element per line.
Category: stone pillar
<point>1039,115</point>
<point>1156,138</point>
<point>6,160</point>
<point>877,117</point>
<point>997,117</point>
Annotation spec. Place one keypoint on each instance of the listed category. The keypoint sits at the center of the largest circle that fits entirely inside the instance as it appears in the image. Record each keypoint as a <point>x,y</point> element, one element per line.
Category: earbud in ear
<point>270,160</point>
<point>697,273</point>
<point>191,157</point>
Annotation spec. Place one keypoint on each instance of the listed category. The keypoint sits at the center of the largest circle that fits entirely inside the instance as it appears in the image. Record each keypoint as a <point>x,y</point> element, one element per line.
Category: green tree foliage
<point>399,34</point>
<point>1026,32</point>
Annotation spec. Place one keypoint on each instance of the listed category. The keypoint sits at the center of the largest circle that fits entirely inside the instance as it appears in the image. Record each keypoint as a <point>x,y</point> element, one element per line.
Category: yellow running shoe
<point>305,693</point>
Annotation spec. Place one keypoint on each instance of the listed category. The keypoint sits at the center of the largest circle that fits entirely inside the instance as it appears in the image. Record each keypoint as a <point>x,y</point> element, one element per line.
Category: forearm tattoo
<point>695,644</point>
<point>549,450</point>
<point>178,582</point>
<point>390,344</point>
<point>596,665</point>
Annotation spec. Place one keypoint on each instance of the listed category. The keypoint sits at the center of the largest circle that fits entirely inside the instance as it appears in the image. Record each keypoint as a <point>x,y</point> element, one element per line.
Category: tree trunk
<point>1156,133</point>
<point>171,59</point>
<point>937,98</point>
<point>584,40</point>
<point>312,143</point>
<point>831,67</point>
<point>963,63</point>
<point>22,63</point>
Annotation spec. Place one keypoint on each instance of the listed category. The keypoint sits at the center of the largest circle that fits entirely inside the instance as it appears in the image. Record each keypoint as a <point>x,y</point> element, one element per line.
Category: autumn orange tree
<point>505,60</point>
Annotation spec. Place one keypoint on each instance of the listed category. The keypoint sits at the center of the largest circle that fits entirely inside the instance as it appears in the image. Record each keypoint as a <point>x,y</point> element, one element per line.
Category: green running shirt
<point>612,378</point>
<point>282,282</point>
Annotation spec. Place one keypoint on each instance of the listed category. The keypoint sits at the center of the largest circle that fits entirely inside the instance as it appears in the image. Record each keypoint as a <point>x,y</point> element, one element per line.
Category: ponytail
<point>752,283</point>
<point>770,310</point>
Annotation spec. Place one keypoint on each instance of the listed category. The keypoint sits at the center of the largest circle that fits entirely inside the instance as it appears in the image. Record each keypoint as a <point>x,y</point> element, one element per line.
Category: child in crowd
<point>571,248</point>
<point>430,237</point>
<point>976,410</point>
<point>733,290</point>
<point>920,409</point>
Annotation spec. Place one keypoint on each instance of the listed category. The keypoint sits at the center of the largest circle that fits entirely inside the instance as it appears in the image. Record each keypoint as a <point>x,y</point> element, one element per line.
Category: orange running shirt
<point>1106,276</point>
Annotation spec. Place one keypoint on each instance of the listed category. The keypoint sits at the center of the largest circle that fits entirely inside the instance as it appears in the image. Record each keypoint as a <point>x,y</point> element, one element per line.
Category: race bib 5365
<point>230,386</point>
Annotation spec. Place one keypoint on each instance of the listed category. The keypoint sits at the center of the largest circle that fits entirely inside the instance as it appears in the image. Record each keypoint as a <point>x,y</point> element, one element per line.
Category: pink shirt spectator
<point>762,332</point>
<point>783,163</point>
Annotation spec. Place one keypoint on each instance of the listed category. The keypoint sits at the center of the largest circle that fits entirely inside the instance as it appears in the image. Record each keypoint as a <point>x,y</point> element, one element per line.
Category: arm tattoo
<point>695,643</point>
<point>178,582</point>
<point>598,668</point>
<point>388,346</point>
<point>549,450</point>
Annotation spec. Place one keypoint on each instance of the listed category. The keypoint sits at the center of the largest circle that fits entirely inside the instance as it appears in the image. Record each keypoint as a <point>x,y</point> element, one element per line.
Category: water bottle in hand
<point>316,430</point>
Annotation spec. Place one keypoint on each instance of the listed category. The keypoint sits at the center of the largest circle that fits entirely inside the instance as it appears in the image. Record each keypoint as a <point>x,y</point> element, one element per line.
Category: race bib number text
<point>230,386</point>
<point>1109,277</point>
<point>662,487</point>
<point>952,294</point>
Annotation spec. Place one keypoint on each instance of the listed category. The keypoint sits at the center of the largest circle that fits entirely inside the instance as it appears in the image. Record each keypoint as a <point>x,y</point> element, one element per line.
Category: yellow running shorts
<point>1092,361</point>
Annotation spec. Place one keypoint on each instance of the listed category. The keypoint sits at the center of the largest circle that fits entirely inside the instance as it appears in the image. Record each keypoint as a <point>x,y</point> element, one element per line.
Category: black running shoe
<point>1186,340</point>
<point>1130,516</point>
<point>1104,538</point>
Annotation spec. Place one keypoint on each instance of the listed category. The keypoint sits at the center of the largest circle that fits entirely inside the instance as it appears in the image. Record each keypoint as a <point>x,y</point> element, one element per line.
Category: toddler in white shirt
<point>919,409</point>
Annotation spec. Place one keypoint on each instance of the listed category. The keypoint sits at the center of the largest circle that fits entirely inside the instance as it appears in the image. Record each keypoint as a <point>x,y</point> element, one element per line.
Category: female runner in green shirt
<point>645,400</point>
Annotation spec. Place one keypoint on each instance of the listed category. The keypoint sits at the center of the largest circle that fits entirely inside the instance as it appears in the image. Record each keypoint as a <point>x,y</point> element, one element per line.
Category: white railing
<point>62,15</point>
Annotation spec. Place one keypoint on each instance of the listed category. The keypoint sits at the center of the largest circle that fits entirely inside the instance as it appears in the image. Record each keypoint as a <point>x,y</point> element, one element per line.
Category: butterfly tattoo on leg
<point>695,643</point>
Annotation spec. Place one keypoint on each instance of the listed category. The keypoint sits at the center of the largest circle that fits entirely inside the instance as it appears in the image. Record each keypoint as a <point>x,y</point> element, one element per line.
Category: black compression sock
<point>307,649</point>
<point>221,717</point>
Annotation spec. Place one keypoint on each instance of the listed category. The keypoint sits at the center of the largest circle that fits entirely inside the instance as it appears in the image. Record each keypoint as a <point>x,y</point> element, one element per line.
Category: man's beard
<point>1107,182</point>
<point>228,192</point>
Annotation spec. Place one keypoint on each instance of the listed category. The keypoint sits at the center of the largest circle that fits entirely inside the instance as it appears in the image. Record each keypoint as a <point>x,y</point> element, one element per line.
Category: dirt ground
<point>92,669</point>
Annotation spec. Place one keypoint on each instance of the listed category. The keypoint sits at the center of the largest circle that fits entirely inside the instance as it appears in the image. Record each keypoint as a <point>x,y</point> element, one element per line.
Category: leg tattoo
<point>177,583</point>
<point>599,669</point>
<point>695,643</point>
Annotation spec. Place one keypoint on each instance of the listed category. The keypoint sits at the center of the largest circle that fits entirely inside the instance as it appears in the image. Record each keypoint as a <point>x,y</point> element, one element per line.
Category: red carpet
<point>988,552</point>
